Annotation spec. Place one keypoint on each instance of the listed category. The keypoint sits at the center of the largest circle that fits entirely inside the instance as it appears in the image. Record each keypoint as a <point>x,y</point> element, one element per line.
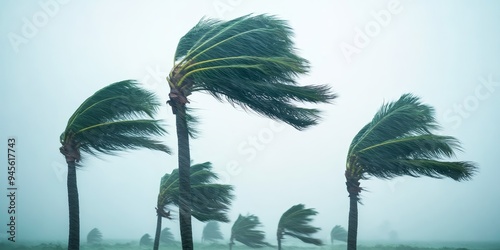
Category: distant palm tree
<point>94,236</point>
<point>397,142</point>
<point>251,62</point>
<point>146,241</point>
<point>166,236</point>
<point>211,232</point>
<point>210,201</point>
<point>113,119</point>
<point>295,223</point>
<point>338,233</point>
<point>245,231</point>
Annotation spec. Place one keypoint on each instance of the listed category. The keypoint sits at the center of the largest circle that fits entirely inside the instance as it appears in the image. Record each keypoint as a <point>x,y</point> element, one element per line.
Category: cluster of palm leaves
<point>250,62</point>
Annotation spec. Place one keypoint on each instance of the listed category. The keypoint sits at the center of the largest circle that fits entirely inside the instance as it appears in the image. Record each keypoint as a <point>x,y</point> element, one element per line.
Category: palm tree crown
<point>295,223</point>
<point>114,119</point>
<point>245,230</point>
<point>250,61</point>
<point>211,232</point>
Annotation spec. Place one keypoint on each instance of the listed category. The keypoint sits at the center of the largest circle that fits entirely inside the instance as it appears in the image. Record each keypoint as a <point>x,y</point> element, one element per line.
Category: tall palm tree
<point>211,232</point>
<point>210,201</point>
<point>251,62</point>
<point>295,223</point>
<point>338,233</point>
<point>113,119</point>
<point>245,230</point>
<point>399,141</point>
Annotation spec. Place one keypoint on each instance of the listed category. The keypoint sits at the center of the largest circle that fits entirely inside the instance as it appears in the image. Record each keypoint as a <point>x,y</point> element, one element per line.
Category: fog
<point>54,54</point>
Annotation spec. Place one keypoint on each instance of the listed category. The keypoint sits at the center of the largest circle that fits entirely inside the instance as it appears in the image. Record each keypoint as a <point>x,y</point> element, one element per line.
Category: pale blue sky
<point>446,52</point>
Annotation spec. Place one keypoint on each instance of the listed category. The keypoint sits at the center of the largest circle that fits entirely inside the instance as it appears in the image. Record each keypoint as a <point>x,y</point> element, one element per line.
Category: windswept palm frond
<point>338,233</point>
<point>117,117</point>
<point>166,236</point>
<point>400,141</point>
<point>251,62</point>
<point>94,236</point>
<point>245,230</point>
<point>146,241</point>
<point>210,201</point>
<point>211,232</point>
<point>295,222</point>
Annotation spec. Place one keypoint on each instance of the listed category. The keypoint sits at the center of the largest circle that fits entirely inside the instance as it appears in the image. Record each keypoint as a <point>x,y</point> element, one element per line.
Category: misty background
<point>54,54</point>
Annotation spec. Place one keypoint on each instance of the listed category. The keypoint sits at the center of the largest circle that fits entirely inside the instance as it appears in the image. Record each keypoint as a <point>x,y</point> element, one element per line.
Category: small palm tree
<point>251,62</point>
<point>113,119</point>
<point>211,232</point>
<point>146,241</point>
<point>244,230</point>
<point>295,223</point>
<point>94,236</point>
<point>210,201</point>
<point>397,142</point>
<point>166,236</point>
<point>338,233</point>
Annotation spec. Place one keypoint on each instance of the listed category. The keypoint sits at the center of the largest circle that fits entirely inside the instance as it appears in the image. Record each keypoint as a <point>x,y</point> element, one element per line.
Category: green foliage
<point>338,233</point>
<point>117,117</point>
<point>210,201</point>
<point>211,232</point>
<point>295,223</point>
<point>94,236</point>
<point>250,61</point>
<point>400,141</point>
<point>146,241</point>
<point>166,236</point>
<point>245,230</point>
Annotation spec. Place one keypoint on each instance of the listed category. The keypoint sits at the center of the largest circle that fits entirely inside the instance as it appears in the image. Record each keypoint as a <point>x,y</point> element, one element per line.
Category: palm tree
<point>210,201</point>
<point>400,141</point>
<point>251,62</point>
<point>245,231</point>
<point>94,236</point>
<point>295,223</point>
<point>113,119</point>
<point>166,236</point>
<point>145,241</point>
<point>211,232</point>
<point>338,233</point>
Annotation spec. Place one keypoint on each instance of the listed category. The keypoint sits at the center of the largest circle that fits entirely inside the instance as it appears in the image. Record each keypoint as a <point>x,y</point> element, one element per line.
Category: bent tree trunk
<point>184,178</point>
<point>74,208</point>
<point>158,232</point>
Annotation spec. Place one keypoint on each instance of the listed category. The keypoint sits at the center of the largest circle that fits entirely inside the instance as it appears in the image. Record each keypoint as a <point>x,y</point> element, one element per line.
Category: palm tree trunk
<point>74,208</point>
<point>184,178</point>
<point>279,243</point>
<point>158,232</point>
<point>352,231</point>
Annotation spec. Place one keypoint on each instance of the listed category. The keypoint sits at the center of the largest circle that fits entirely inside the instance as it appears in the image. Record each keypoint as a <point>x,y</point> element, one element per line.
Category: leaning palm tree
<point>211,232</point>
<point>251,62</point>
<point>295,223</point>
<point>399,141</point>
<point>94,236</point>
<point>113,119</point>
<point>245,230</point>
<point>210,201</point>
<point>338,233</point>
<point>145,241</point>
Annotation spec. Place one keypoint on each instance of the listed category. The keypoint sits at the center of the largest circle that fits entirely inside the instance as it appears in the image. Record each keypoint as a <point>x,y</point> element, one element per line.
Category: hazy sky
<point>54,54</point>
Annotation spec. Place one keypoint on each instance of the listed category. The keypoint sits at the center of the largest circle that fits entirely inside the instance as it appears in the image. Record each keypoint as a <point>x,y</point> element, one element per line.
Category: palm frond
<point>245,230</point>
<point>250,61</point>
<point>94,236</point>
<point>146,240</point>
<point>400,141</point>
<point>296,221</point>
<point>115,118</point>
<point>166,236</point>
<point>210,201</point>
